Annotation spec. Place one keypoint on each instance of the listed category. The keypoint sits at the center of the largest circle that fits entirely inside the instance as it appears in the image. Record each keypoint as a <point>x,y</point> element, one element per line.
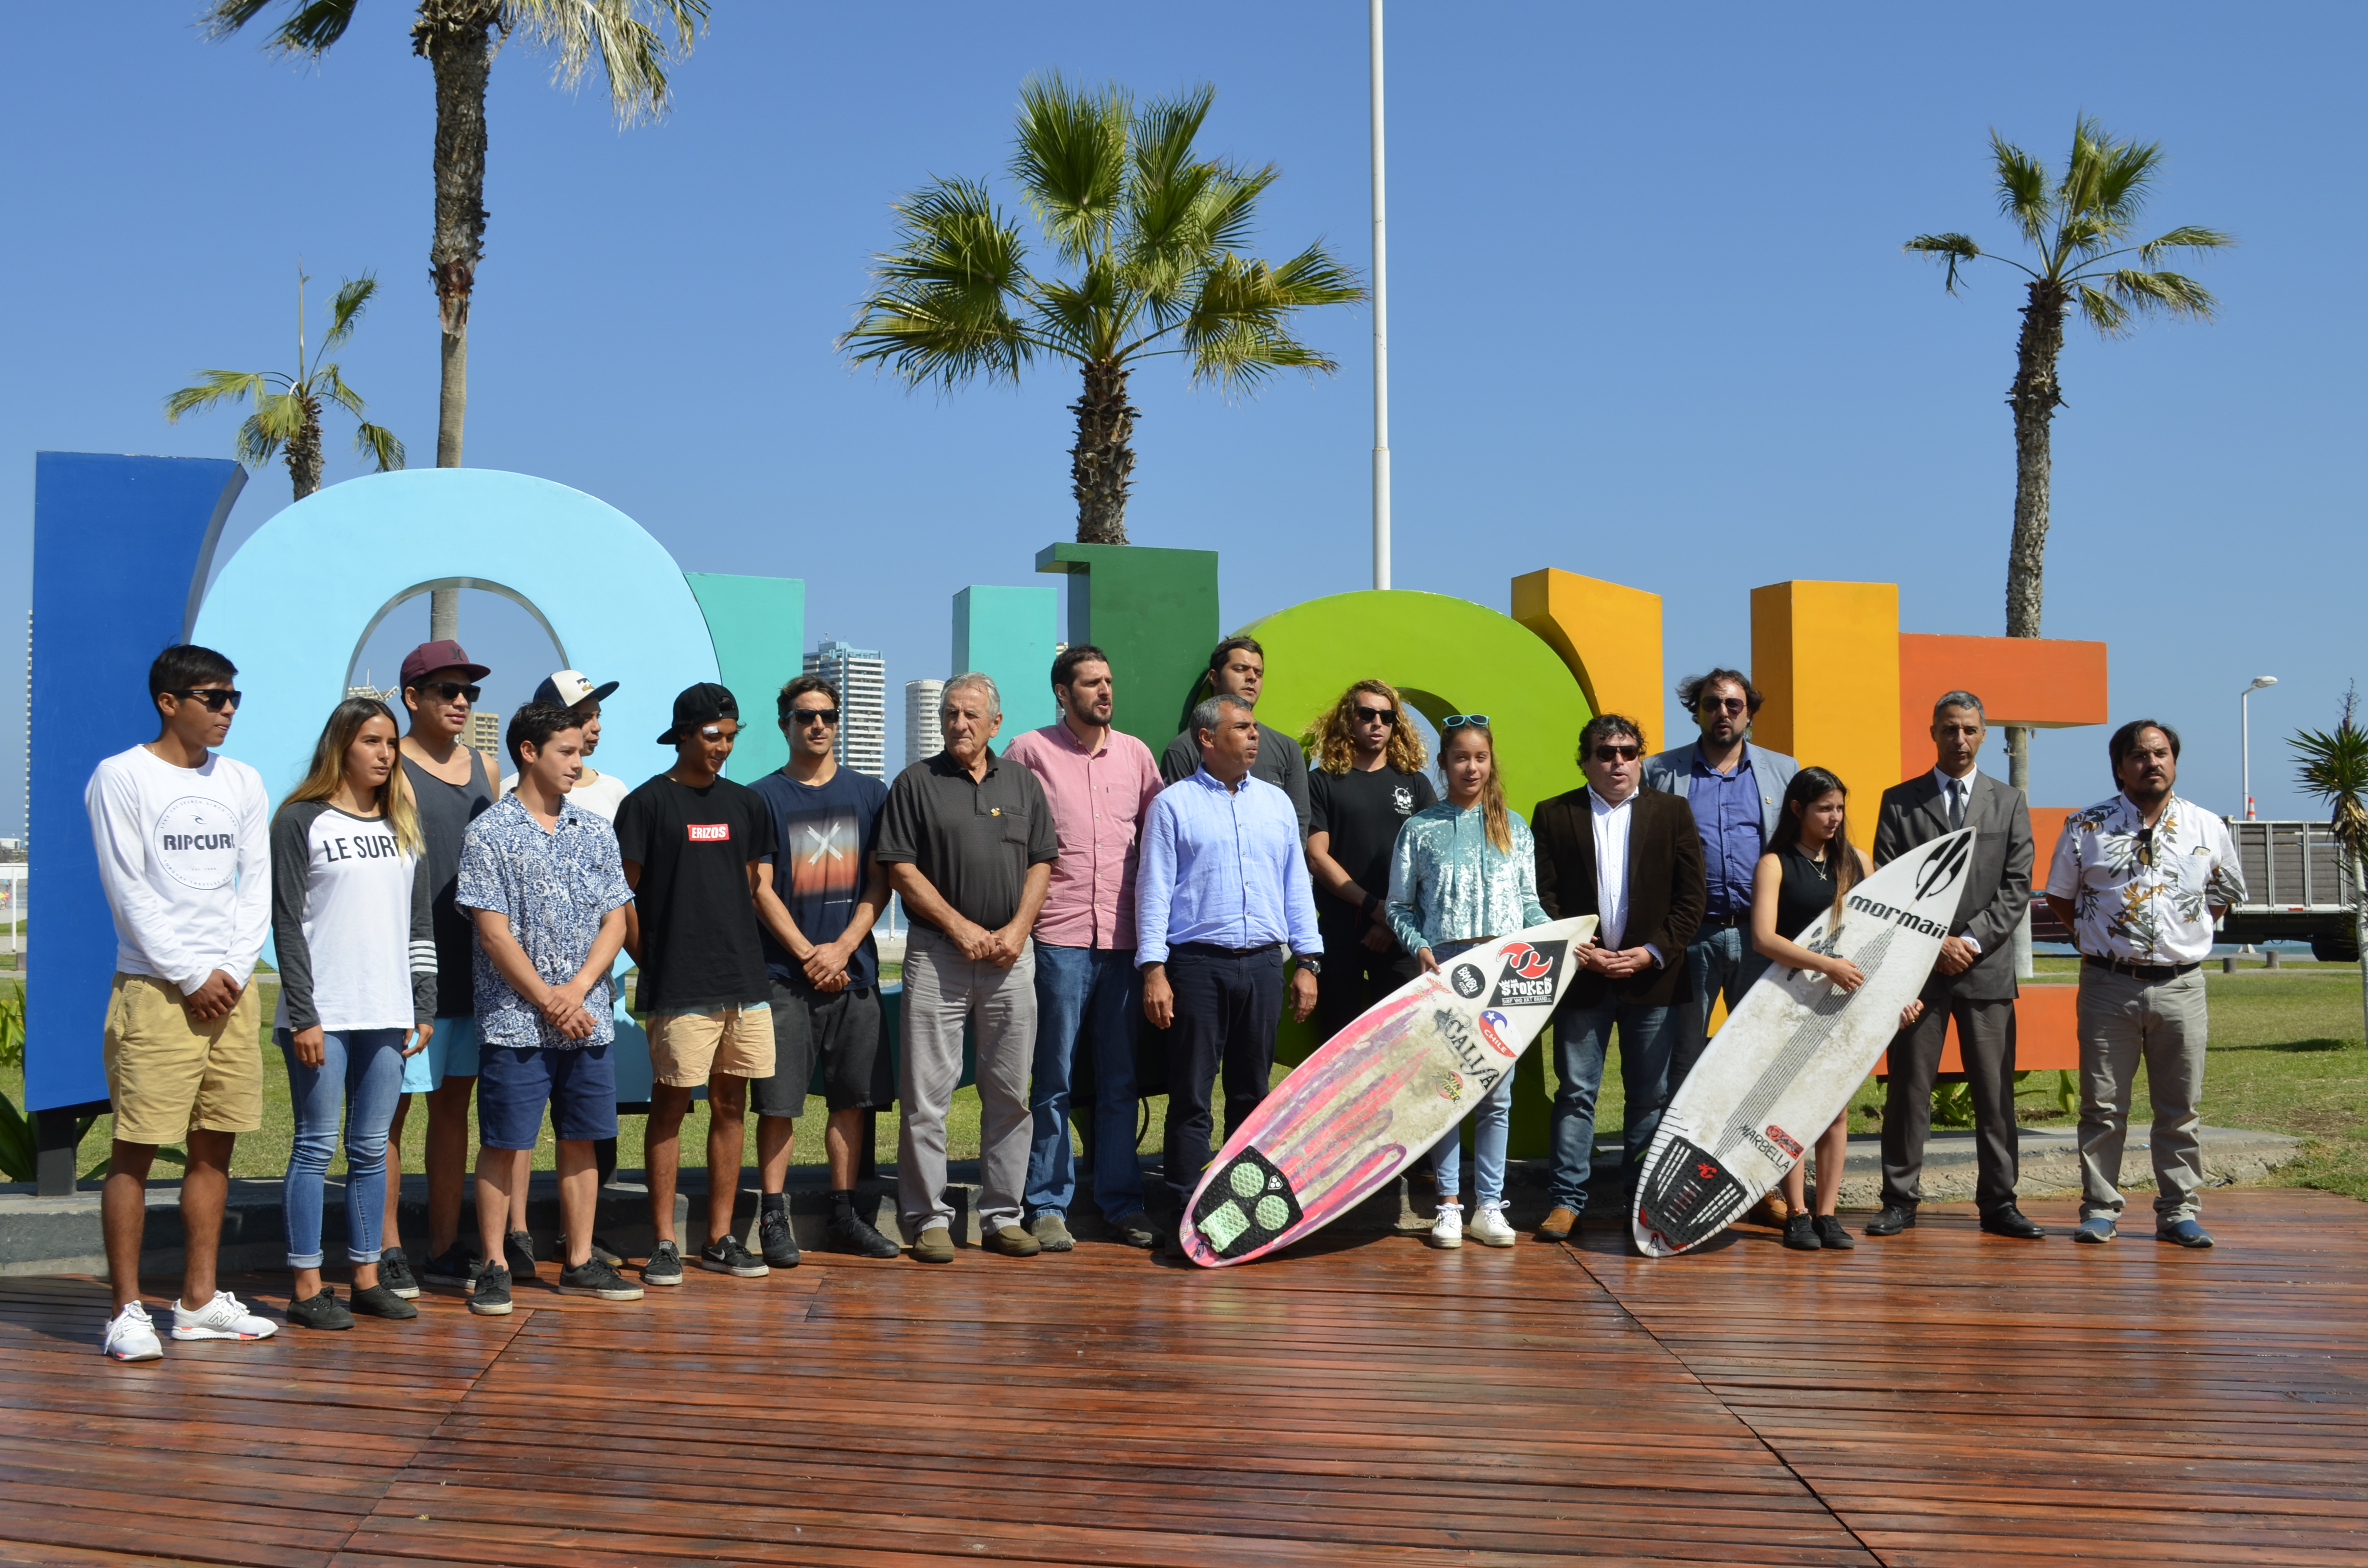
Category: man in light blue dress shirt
<point>1222,886</point>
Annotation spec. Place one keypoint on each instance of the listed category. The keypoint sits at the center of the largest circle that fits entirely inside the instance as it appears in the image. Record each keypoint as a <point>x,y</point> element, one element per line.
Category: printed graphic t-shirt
<point>184,858</point>
<point>824,836</point>
<point>1362,811</point>
<point>701,943</point>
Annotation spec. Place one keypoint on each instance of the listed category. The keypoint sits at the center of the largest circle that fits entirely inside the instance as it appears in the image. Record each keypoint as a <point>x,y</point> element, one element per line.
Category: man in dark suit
<point>1631,858</point>
<point>1974,980</point>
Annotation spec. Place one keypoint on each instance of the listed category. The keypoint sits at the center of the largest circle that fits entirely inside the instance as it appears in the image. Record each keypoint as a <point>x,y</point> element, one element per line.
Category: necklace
<point>1817,864</point>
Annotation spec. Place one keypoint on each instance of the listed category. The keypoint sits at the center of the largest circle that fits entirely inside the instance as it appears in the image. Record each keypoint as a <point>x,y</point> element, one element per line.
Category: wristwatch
<point>1312,962</point>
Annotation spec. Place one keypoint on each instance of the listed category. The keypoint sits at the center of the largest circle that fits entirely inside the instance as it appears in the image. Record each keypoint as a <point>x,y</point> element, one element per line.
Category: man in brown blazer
<point>1631,858</point>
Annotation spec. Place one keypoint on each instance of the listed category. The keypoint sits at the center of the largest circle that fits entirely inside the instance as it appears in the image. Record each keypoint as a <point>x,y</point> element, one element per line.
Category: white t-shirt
<point>601,797</point>
<point>352,920</point>
<point>186,861</point>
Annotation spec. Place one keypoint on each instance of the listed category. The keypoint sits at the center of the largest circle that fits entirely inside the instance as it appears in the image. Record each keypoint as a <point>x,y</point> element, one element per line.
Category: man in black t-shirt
<point>1237,668</point>
<point>691,841</point>
<point>1367,781</point>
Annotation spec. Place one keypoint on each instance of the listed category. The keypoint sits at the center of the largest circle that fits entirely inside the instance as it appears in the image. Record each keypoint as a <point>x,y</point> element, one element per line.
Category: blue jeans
<point>1718,962</point>
<point>359,1078</point>
<point>1095,994</point>
<point>1492,1127</point>
<point>1582,1034</point>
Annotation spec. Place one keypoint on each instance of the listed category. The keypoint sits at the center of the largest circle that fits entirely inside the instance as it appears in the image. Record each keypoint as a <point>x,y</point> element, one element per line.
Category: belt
<point>1720,922</point>
<point>2150,972</point>
<point>1210,949</point>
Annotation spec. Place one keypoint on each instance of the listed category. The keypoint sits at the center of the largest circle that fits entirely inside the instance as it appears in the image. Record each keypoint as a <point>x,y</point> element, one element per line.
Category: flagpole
<point>1381,333</point>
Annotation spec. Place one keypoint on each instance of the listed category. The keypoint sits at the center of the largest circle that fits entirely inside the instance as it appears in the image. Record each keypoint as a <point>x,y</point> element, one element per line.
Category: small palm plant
<point>286,415</point>
<point>2334,766</point>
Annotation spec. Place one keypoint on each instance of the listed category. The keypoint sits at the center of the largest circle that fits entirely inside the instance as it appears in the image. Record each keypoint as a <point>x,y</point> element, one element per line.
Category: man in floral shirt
<point>2140,878</point>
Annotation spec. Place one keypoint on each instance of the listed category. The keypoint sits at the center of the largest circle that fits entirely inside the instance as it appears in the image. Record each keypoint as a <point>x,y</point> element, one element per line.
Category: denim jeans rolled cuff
<point>357,1083</point>
<point>1091,996</point>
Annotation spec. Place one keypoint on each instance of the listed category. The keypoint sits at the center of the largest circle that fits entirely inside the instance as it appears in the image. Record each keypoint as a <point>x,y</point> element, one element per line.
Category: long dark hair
<point>329,769</point>
<point>1808,787</point>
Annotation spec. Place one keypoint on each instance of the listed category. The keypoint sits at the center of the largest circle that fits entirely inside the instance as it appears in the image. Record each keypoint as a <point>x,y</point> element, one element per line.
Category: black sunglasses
<point>1608,753</point>
<point>448,690</point>
<point>804,716</point>
<point>1457,721</point>
<point>1376,715</point>
<point>215,698</point>
<point>1728,705</point>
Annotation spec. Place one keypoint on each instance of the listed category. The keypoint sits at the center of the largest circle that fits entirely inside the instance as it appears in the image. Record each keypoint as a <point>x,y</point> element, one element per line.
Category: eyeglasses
<point>448,690</point>
<point>1723,705</point>
<point>215,698</point>
<point>825,717</point>
<point>1618,754</point>
<point>717,732</point>
<point>1457,721</point>
<point>1376,715</point>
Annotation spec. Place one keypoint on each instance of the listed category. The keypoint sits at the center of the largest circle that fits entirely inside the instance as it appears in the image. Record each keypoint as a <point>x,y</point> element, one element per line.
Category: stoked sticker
<point>1530,973</point>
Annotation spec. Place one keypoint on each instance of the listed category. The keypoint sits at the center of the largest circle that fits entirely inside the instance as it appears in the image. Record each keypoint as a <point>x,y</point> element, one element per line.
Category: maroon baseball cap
<point>443,656</point>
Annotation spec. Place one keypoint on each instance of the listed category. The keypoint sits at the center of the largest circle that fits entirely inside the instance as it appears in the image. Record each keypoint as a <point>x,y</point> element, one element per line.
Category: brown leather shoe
<point>1771,1211</point>
<point>1558,1225</point>
<point>1011,1242</point>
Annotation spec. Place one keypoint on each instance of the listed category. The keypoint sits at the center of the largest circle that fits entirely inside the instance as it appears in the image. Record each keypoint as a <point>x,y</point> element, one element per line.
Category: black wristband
<point>1373,901</point>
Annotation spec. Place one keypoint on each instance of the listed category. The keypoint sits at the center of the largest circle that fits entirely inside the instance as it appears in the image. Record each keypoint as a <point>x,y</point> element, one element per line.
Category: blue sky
<point>1649,316</point>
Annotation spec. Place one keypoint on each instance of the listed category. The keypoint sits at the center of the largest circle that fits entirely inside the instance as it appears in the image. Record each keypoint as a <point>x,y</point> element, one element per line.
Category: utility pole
<point>1381,333</point>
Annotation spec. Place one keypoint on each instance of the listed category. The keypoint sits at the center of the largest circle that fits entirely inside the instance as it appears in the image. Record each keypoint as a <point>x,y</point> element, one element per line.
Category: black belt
<point>1210,949</point>
<point>2153,973</point>
<point>1720,922</point>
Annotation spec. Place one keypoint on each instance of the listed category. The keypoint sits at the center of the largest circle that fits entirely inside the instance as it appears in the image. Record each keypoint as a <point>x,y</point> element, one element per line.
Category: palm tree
<point>2334,766</point>
<point>2079,226</point>
<point>287,408</point>
<point>1146,227</point>
<point>459,39</point>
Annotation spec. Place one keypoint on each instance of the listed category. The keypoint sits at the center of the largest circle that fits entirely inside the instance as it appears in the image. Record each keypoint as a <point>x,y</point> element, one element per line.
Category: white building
<point>925,736</point>
<point>861,676</point>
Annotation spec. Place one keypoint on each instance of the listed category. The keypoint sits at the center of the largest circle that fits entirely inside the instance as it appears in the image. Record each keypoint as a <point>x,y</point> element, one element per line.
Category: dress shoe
<point>2009,1222</point>
<point>1558,1225</point>
<point>1894,1217</point>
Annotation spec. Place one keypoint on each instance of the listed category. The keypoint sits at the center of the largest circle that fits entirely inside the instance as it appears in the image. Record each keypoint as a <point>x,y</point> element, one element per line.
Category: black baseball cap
<point>700,704</point>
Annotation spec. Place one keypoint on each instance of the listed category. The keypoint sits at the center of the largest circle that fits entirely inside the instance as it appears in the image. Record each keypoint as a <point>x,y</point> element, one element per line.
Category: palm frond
<point>2102,310</point>
<point>354,294</point>
<point>627,37</point>
<point>215,387</point>
<point>2114,178</point>
<point>330,383</point>
<point>2170,293</point>
<point>277,418</point>
<point>1086,318</point>
<point>312,26</point>
<point>942,307</point>
<point>1957,249</point>
<point>2023,196</point>
<point>2185,237</point>
<point>379,442</point>
<point>2333,765</point>
<point>1070,160</point>
<point>1237,331</point>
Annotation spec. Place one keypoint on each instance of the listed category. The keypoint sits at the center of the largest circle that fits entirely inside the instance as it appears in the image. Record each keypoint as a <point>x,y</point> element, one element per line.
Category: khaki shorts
<point>687,1049</point>
<point>167,1074</point>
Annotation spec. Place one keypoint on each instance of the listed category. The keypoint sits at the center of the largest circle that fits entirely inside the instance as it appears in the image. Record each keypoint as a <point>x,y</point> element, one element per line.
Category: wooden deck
<point>1942,1398</point>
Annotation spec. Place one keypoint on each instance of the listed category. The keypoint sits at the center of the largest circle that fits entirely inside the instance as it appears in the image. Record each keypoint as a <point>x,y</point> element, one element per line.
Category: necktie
<point>1957,803</point>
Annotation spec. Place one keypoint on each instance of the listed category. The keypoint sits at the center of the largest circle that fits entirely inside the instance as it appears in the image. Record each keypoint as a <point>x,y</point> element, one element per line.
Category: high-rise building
<point>861,676</point>
<point>483,730</point>
<point>924,735</point>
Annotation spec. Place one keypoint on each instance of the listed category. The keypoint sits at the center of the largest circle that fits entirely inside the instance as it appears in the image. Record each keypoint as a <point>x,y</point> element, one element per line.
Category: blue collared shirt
<point>555,887</point>
<point>1222,866</point>
<point>1726,809</point>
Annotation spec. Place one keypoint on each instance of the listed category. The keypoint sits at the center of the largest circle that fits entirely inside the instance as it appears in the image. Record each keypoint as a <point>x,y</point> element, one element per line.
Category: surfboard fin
<point>1246,1205</point>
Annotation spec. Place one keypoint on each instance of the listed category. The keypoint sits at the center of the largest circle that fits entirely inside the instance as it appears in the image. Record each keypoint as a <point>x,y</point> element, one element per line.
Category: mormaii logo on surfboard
<point>1492,1025</point>
<point>1531,971</point>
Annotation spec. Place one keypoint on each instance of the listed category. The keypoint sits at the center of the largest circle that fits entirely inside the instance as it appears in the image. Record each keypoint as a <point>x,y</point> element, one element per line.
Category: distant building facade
<point>861,676</point>
<point>484,731</point>
<point>924,735</point>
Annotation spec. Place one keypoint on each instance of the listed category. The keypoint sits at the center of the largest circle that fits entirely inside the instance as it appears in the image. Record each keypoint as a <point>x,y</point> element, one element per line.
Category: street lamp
<point>2245,717</point>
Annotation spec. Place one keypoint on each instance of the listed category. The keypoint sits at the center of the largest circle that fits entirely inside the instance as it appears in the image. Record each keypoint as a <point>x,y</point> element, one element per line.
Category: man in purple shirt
<point>1737,790</point>
<point>1101,782</point>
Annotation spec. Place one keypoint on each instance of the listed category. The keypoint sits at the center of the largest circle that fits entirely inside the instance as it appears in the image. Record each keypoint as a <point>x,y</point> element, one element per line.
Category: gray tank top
<point>445,812</point>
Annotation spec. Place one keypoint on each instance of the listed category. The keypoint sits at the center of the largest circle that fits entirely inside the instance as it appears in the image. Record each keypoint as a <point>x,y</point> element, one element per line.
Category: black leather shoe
<point>1894,1218</point>
<point>2009,1222</point>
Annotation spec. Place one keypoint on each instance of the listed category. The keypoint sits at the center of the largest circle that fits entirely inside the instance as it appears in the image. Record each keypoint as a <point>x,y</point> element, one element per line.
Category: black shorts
<point>841,1034</point>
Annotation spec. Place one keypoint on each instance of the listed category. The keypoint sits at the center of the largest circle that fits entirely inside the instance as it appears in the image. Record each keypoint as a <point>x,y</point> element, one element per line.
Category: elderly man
<point>1972,983</point>
<point>968,844</point>
<point>1629,856</point>
<point>2142,879</point>
<point>1224,886</point>
<point>1735,791</point>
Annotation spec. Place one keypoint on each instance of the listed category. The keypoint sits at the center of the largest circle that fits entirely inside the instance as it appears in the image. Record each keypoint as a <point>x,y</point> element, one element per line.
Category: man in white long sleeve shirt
<point>184,855</point>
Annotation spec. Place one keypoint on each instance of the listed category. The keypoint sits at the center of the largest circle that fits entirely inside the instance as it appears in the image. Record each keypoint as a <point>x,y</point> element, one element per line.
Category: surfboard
<point>1794,1050</point>
<point>1375,1096</point>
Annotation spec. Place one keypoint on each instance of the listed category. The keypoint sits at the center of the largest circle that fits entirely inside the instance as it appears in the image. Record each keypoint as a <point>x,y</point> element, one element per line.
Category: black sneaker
<point>595,1277</point>
<point>378,1301</point>
<point>1800,1234</point>
<point>453,1269</point>
<point>664,1265</point>
<point>490,1297</point>
<point>1135,1229</point>
<point>518,1251</point>
<point>728,1257</point>
<point>779,1241</point>
<point>394,1274</point>
<point>849,1234</point>
<point>324,1310</point>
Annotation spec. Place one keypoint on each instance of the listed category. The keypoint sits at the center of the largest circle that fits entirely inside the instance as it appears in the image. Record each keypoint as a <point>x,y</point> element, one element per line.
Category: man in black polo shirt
<point>969,846</point>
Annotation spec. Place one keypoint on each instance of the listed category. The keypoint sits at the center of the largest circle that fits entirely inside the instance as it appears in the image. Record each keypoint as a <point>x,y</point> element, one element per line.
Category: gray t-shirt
<point>445,812</point>
<point>973,839</point>
<point>1279,763</point>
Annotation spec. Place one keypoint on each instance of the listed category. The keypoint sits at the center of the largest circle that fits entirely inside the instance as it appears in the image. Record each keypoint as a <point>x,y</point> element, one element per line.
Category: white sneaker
<point>224,1317</point>
<point>1488,1227</point>
<point>130,1337</point>
<point>1447,1230</point>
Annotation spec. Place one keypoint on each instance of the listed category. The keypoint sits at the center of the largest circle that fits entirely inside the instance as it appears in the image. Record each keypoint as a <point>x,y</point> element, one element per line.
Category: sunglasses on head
<point>1723,704</point>
<point>1607,752</point>
<point>825,717</point>
<point>448,690</point>
<point>1457,721</point>
<point>215,698</point>
<point>1376,715</point>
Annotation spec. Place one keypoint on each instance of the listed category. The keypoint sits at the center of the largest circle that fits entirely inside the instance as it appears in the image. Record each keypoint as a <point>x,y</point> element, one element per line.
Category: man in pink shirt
<point>1101,783</point>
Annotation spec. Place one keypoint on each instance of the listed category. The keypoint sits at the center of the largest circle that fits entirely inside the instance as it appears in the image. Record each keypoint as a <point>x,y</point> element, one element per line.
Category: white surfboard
<point>1794,1050</point>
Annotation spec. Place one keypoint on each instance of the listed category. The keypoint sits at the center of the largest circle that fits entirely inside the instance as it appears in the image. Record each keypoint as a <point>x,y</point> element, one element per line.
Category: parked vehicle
<point>2299,887</point>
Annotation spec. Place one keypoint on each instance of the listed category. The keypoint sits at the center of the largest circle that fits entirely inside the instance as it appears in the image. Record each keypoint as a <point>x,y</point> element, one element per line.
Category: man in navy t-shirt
<point>817,896</point>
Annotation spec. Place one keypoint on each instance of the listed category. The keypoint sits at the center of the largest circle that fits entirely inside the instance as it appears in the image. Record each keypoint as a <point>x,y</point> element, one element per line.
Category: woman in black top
<point>1809,868</point>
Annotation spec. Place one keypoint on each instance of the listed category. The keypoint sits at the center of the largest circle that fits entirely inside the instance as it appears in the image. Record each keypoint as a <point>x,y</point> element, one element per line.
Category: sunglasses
<point>718,733</point>
<point>1618,754</point>
<point>1457,721</point>
<point>1723,705</point>
<point>1376,715</point>
<point>825,717</point>
<point>215,698</point>
<point>448,690</point>
<point>2145,846</point>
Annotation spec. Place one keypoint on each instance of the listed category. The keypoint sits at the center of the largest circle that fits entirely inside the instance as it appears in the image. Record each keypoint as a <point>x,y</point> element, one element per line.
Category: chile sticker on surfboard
<point>1794,1050</point>
<point>1378,1095</point>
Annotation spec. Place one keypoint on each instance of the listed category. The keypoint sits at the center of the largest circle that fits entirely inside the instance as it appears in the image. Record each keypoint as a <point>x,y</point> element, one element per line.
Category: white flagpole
<point>1381,334</point>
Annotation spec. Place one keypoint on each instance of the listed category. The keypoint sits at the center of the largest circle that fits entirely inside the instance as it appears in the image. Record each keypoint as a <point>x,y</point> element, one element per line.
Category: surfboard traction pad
<point>1690,1195</point>
<point>1248,1205</point>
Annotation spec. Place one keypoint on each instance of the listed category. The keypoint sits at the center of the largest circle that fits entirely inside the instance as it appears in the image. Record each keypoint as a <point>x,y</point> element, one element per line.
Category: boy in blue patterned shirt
<point>542,879</point>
